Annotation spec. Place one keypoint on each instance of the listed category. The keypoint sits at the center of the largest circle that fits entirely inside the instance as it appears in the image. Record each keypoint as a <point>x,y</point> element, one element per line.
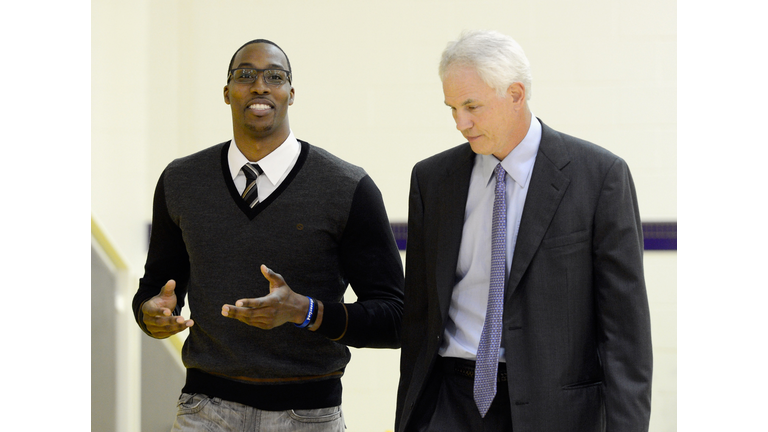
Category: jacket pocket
<point>582,384</point>
<point>565,240</point>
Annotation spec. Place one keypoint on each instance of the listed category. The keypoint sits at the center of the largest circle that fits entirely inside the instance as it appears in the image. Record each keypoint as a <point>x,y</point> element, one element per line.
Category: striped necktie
<point>487,364</point>
<point>251,192</point>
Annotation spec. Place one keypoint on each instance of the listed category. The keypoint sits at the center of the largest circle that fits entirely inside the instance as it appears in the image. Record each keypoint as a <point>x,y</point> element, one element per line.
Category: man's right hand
<point>157,313</point>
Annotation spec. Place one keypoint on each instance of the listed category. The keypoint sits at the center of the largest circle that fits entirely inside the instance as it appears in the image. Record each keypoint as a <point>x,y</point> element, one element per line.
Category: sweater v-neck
<point>251,213</point>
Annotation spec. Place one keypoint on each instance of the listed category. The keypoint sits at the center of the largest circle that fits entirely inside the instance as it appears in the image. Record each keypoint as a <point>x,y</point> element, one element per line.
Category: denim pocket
<point>319,415</point>
<point>191,403</point>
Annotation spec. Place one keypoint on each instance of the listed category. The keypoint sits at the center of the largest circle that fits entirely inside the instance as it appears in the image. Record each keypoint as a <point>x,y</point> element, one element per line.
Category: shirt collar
<point>274,164</point>
<point>519,162</point>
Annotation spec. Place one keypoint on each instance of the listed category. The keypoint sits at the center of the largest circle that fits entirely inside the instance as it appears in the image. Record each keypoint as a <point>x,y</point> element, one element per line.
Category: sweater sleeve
<point>371,264</point>
<point>167,257</point>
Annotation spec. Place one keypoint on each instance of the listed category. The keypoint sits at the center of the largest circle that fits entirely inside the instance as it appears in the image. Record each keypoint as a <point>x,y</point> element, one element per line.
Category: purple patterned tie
<point>487,364</point>
<point>251,192</point>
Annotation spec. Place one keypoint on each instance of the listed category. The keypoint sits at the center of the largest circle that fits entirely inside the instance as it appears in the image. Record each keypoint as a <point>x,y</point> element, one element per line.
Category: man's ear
<point>226,94</point>
<point>517,92</point>
<point>290,101</point>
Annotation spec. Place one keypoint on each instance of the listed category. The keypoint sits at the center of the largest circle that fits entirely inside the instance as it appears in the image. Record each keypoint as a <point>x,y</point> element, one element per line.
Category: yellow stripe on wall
<point>177,342</point>
<point>107,246</point>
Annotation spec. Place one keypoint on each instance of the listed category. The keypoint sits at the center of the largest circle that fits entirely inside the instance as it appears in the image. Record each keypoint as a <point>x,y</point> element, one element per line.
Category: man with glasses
<point>266,351</point>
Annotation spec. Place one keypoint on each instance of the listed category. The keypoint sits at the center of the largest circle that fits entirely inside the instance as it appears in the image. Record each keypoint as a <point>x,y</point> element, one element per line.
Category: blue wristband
<point>310,314</point>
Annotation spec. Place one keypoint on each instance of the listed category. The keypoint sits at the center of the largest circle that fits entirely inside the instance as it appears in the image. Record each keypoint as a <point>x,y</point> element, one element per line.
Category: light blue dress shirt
<point>469,299</point>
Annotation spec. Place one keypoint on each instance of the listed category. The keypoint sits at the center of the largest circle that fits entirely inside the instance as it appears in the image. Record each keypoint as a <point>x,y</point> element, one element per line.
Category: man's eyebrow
<point>252,66</point>
<point>465,103</point>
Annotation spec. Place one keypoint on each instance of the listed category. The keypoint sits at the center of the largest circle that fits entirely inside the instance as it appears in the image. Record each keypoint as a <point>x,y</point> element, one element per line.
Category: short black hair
<point>231,62</point>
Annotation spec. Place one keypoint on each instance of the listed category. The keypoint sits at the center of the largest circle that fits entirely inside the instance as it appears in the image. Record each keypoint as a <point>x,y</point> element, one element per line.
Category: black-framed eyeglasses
<point>275,77</point>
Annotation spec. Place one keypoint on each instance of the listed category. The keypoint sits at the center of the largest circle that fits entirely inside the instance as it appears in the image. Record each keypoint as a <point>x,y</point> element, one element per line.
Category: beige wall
<point>367,90</point>
<point>367,87</point>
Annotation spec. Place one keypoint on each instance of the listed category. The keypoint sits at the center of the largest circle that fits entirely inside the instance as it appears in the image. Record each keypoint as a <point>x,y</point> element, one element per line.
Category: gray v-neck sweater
<point>324,227</point>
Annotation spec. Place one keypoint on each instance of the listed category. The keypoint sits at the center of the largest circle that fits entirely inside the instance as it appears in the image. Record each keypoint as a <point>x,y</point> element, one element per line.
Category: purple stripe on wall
<point>657,235</point>
<point>660,235</point>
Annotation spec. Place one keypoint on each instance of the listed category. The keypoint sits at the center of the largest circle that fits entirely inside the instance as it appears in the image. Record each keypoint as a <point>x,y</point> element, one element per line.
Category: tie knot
<point>499,171</point>
<point>500,177</point>
<point>251,192</point>
<point>252,171</point>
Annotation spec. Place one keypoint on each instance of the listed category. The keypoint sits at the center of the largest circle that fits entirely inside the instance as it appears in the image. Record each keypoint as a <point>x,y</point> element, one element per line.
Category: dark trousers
<point>455,409</point>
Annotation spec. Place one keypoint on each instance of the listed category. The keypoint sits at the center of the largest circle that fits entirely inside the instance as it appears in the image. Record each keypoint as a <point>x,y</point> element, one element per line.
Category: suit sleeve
<point>371,264</point>
<point>622,304</point>
<point>167,257</point>
<point>415,314</point>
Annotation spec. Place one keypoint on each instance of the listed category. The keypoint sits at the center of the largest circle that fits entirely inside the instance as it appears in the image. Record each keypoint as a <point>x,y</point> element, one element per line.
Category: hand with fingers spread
<point>158,313</point>
<point>280,306</point>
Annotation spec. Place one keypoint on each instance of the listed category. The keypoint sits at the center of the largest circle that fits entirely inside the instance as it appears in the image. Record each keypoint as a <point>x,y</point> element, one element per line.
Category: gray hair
<point>498,59</point>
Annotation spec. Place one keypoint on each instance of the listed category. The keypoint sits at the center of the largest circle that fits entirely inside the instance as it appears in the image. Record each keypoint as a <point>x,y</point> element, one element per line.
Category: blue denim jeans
<point>197,412</point>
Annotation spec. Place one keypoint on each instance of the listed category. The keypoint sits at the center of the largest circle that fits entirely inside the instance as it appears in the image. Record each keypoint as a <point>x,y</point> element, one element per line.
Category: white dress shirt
<point>469,299</point>
<point>275,165</point>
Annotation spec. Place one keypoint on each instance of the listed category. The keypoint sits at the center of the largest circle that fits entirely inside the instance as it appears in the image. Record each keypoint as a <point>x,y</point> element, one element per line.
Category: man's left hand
<point>280,306</point>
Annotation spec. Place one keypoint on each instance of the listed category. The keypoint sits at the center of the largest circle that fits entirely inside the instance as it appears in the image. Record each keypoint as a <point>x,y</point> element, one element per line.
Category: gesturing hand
<point>157,313</point>
<point>280,306</point>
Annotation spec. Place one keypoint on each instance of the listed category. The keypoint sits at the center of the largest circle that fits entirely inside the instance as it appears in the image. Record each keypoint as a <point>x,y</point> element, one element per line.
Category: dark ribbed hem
<point>268,397</point>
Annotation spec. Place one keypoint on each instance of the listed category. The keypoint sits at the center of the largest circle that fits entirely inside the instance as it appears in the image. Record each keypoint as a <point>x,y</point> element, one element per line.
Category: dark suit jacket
<point>576,324</point>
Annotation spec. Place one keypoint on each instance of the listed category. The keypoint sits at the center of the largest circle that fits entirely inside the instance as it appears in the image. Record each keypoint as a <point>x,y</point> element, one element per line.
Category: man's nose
<point>259,86</point>
<point>463,122</point>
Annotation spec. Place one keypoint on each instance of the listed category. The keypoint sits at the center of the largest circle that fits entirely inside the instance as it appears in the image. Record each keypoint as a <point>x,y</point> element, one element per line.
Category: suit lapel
<point>548,185</point>
<point>452,203</point>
